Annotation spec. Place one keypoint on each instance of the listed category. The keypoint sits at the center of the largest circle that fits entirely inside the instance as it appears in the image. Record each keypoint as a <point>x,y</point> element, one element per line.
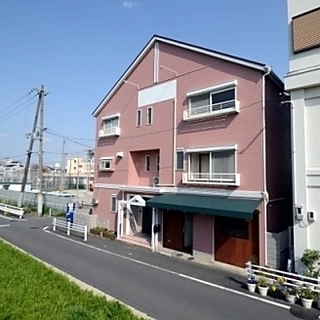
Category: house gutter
<point>267,70</point>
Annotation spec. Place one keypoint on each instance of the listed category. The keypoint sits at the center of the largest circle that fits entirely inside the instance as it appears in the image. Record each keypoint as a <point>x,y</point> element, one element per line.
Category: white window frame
<point>210,91</point>
<point>104,160</point>
<point>113,198</point>
<point>158,162</point>
<point>209,150</point>
<point>108,118</point>
<point>149,109</point>
<point>147,163</point>
<point>176,155</point>
<point>139,118</point>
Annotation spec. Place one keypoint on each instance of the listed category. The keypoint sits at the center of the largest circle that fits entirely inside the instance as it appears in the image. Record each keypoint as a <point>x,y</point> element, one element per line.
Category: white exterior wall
<point>303,83</point>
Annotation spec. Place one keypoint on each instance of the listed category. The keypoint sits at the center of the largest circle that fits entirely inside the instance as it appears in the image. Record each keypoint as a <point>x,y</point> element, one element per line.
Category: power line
<point>11,113</point>
<point>15,102</point>
<point>49,131</point>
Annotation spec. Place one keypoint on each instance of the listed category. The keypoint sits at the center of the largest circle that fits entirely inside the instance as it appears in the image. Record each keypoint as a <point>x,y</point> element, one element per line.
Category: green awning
<point>227,207</point>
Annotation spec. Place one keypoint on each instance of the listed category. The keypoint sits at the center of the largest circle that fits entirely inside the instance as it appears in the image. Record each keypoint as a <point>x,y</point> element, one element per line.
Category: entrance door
<point>236,240</point>
<point>173,237</point>
<point>146,220</point>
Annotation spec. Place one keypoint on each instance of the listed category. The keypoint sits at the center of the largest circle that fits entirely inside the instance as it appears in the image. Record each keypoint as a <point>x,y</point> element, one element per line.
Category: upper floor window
<point>216,165</point>
<point>147,163</point>
<point>110,126</point>
<point>139,118</point>
<point>106,164</point>
<point>149,115</point>
<point>180,160</point>
<point>209,102</point>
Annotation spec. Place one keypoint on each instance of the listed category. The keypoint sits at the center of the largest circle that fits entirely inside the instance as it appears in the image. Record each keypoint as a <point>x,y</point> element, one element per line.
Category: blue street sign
<point>71,208</point>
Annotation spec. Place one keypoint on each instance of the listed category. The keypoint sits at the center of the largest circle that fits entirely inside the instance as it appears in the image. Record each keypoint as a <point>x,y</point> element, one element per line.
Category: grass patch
<point>31,291</point>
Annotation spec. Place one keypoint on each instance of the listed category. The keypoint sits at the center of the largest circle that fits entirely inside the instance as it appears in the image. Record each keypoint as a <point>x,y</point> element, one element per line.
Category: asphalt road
<point>162,287</point>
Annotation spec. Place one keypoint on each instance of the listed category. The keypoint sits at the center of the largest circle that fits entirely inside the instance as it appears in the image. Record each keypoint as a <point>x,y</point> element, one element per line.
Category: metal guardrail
<point>16,211</point>
<point>69,227</point>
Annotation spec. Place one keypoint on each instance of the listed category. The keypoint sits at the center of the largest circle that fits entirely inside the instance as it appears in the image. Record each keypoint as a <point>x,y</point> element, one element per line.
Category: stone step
<point>141,241</point>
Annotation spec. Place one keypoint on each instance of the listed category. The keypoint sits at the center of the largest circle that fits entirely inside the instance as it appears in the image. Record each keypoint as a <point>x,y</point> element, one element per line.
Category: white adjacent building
<point>303,84</point>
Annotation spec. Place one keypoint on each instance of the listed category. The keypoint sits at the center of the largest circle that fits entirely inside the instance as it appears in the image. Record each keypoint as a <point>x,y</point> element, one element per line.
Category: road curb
<point>81,284</point>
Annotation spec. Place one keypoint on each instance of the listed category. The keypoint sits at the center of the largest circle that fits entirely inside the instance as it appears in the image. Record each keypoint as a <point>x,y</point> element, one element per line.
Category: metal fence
<point>30,198</point>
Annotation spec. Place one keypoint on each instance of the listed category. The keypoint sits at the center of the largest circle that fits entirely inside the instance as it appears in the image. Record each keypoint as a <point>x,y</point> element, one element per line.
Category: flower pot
<point>263,290</point>
<point>307,303</point>
<point>291,299</point>
<point>251,287</point>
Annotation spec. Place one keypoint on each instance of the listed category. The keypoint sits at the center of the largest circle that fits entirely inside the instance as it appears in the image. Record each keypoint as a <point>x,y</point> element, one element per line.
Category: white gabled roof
<point>245,62</point>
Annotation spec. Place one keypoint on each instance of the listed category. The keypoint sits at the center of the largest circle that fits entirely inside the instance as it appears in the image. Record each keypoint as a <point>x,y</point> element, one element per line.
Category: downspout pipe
<point>174,147</point>
<point>267,70</point>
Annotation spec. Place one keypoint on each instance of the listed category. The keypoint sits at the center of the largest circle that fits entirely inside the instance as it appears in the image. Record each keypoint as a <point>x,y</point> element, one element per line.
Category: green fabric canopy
<point>220,206</point>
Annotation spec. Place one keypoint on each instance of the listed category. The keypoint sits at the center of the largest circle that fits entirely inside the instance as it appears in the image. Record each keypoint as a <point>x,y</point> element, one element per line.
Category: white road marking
<point>4,225</point>
<point>172,272</point>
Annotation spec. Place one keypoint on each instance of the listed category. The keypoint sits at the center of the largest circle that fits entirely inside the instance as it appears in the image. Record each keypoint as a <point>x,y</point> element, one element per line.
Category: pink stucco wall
<point>198,71</point>
<point>243,129</point>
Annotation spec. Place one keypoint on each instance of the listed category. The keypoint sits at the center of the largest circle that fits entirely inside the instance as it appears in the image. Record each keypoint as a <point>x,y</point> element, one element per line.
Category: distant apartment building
<point>79,166</point>
<point>79,172</point>
<point>11,171</point>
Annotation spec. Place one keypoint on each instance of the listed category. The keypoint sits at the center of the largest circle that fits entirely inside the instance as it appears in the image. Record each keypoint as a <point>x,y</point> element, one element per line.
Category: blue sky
<point>78,49</point>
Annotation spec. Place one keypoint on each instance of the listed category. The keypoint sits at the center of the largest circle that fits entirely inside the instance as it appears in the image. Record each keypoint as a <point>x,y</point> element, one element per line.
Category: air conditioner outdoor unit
<point>155,182</point>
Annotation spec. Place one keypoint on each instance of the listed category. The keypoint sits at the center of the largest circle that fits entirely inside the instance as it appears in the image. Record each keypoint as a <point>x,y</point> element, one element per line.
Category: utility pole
<point>41,129</point>
<point>41,94</point>
<point>62,167</point>
<point>90,154</point>
<point>78,179</point>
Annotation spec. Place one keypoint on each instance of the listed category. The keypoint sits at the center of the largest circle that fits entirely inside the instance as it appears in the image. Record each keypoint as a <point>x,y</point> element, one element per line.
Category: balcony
<point>207,111</point>
<point>227,179</point>
<point>109,132</point>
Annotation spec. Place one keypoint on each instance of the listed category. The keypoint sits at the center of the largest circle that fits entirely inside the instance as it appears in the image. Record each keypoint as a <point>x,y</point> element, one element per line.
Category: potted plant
<point>251,283</point>
<point>275,290</point>
<point>307,295</point>
<point>290,293</point>
<point>263,285</point>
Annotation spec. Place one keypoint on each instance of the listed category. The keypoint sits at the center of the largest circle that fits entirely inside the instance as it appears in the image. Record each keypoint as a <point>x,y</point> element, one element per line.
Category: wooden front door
<point>173,222</point>
<point>236,240</point>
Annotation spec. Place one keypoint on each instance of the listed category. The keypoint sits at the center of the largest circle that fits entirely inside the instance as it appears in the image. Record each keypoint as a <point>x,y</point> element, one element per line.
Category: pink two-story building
<point>193,155</point>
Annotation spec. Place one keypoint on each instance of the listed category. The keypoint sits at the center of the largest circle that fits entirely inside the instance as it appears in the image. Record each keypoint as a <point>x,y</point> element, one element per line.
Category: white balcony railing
<point>232,179</point>
<point>226,107</point>
<point>115,131</point>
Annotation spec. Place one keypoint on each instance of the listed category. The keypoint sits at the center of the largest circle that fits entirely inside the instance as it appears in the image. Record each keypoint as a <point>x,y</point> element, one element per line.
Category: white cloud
<point>4,134</point>
<point>128,4</point>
